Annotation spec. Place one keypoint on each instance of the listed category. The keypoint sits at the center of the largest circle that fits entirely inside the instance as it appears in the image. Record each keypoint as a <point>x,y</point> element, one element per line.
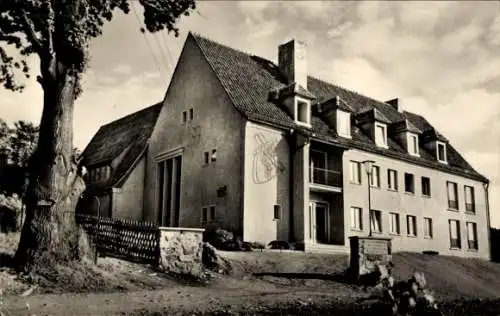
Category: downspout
<point>487,204</point>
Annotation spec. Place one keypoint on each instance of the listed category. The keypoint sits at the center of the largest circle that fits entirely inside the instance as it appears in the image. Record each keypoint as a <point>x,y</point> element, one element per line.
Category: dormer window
<point>381,135</point>
<point>412,144</point>
<point>343,124</point>
<point>441,152</point>
<point>302,111</point>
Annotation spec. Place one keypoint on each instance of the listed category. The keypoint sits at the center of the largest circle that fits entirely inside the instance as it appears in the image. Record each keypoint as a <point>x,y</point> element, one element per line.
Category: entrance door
<point>169,184</point>
<point>319,219</point>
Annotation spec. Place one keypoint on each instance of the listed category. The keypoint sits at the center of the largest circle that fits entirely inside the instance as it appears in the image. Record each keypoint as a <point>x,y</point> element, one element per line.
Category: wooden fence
<point>123,238</point>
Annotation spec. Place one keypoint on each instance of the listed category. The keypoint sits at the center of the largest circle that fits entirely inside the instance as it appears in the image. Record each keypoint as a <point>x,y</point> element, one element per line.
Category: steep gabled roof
<point>122,142</point>
<point>248,79</point>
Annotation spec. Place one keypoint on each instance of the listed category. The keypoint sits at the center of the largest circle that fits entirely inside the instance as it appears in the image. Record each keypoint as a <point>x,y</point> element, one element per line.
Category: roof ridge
<point>123,118</point>
<point>197,36</point>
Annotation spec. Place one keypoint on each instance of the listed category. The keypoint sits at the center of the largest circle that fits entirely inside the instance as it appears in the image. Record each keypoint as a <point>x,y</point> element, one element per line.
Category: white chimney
<point>292,59</point>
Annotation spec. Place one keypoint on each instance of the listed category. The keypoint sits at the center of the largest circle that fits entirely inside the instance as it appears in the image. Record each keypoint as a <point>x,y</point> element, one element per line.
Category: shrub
<point>10,213</point>
<point>221,239</point>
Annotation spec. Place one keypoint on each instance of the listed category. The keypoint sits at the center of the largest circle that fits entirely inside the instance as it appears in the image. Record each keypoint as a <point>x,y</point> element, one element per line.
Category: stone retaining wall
<point>181,250</point>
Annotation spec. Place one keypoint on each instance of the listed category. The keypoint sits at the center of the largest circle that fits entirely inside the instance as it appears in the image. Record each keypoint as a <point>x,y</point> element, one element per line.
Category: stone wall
<point>369,252</point>
<point>181,250</point>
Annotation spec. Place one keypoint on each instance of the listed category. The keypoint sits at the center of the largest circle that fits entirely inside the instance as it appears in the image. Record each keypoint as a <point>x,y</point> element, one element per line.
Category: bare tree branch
<point>30,30</point>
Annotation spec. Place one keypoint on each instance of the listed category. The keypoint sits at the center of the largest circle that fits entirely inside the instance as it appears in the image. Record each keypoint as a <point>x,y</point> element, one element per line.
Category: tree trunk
<point>49,232</point>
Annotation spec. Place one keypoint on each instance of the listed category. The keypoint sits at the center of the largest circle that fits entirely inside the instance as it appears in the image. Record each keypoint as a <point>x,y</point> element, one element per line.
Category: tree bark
<point>50,233</point>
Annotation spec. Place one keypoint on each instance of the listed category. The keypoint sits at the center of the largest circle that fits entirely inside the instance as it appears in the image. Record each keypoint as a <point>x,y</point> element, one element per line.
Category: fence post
<point>96,255</point>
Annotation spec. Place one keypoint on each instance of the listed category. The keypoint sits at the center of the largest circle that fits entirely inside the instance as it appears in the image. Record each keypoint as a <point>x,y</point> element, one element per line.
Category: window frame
<point>394,216</point>
<point>470,206</point>
<point>359,211</point>
<point>376,219</point>
<point>395,184</point>
<point>413,144</point>
<point>359,178</point>
<point>472,244</point>
<point>458,244</point>
<point>414,226</point>
<point>298,102</point>
<point>413,183</point>
<point>445,156</point>
<point>452,206</point>
<point>372,184</point>
<point>277,212</point>
<point>430,234</point>
<point>429,194</point>
<point>345,117</point>
<point>385,142</point>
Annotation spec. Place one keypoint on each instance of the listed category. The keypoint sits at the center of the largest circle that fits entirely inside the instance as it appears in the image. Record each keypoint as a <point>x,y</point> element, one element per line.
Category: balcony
<point>325,180</point>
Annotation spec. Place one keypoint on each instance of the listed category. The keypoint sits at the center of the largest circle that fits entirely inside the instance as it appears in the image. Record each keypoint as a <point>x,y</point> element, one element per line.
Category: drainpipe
<point>487,204</point>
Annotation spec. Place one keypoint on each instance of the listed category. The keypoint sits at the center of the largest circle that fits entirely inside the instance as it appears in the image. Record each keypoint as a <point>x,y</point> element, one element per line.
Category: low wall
<point>181,250</point>
<point>367,253</point>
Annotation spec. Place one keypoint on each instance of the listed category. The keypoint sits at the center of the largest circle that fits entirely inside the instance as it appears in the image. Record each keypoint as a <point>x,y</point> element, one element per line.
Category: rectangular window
<point>277,211</point>
<point>392,179</point>
<point>344,123</point>
<point>380,135</point>
<point>376,221</point>
<point>184,117</point>
<point>206,157</point>
<point>394,221</point>
<point>411,225</point>
<point>303,111</point>
<point>191,114</point>
<point>428,228</point>
<point>409,183</point>
<point>455,241</point>
<point>214,155</point>
<point>356,218</point>
<point>355,172</point>
<point>452,195</point>
<point>426,186</point>
<point>204,216</point>
<point>212,213</point>
<point>472,235</point>
<point>470,205</point>
<point>413,144</point>
<point>375,177</point>
<point>441,152</point>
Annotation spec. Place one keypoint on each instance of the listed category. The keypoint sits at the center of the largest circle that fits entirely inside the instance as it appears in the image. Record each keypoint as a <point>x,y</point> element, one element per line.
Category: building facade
<point>270,153</point>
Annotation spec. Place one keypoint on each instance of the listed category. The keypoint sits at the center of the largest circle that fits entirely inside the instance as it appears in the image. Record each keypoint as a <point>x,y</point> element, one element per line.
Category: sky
<point>441,59</point>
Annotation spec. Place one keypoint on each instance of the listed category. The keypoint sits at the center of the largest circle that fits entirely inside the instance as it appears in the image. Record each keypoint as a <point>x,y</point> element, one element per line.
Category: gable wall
<point>216,125</point>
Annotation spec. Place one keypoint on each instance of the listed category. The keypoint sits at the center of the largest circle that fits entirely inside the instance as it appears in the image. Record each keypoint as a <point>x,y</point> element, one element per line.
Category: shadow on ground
<point>6,260</point>
<point>337,277</point>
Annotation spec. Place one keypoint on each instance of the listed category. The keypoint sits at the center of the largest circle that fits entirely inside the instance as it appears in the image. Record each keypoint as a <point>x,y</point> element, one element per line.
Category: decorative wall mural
<point>265,163</point>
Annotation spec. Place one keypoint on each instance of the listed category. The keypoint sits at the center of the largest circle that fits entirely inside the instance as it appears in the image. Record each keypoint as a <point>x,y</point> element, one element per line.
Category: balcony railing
<point>325,177</point>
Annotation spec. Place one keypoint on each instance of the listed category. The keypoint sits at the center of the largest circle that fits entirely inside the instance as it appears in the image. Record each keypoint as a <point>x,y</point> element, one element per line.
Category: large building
<point>270,153</point>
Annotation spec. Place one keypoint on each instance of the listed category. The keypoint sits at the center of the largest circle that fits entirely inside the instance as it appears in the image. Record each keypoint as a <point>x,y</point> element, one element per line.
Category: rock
<point>213,261</point>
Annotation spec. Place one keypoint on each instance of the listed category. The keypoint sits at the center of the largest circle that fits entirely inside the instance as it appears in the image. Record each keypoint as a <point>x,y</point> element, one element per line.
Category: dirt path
<point>248,296</point>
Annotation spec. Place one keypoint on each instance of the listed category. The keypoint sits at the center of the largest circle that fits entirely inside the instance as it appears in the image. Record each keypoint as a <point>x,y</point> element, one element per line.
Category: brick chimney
<point>292,60</point>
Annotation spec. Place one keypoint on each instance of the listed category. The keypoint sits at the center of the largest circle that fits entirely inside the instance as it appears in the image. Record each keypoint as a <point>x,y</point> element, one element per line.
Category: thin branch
<point>29,28</point>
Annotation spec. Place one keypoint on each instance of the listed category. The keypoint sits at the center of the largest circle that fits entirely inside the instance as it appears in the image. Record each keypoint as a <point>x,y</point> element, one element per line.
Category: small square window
<point>213,157</point>
<point>207,157</point>
<point>191,114</point>
<point>277,211</point>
